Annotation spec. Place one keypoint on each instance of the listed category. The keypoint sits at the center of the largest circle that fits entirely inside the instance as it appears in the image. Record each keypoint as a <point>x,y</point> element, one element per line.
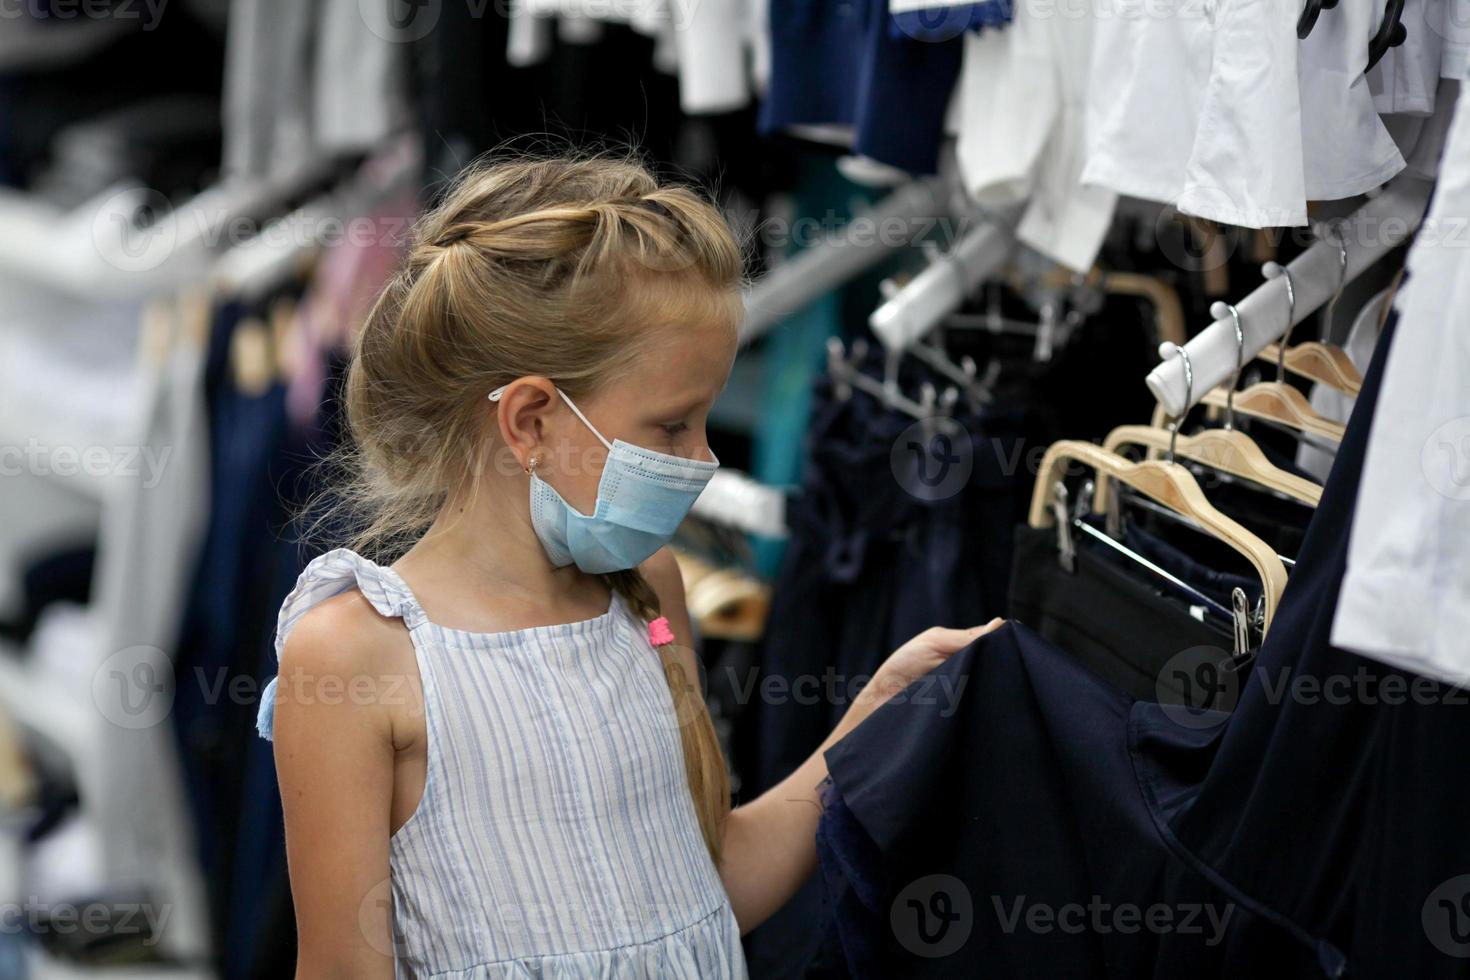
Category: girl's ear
<point>524,408</point>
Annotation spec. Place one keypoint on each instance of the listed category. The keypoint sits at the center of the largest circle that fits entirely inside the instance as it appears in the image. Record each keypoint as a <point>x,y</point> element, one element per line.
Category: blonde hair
<point>529,266</point>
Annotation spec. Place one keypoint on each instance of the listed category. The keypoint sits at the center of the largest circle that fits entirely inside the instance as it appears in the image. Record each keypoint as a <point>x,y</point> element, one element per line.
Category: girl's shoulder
<point>330,574</point>
<point>341,635</point>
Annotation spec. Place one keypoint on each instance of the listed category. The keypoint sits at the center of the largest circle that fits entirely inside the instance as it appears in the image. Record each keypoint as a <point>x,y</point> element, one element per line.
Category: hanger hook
<point>1341,279</point>
<point>1239,355</point>
<point>1178,420</point>
<point>1290,322</point>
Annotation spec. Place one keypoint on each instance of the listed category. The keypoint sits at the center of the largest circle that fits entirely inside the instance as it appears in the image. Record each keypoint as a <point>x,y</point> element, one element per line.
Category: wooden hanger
<point>1168,308</point>
<point>1273,401</point>
<point>727,603</point>
<point>1279,403</point>
<point>1168,484</point>
<point>1227,450</point>
<point>1326,364</point>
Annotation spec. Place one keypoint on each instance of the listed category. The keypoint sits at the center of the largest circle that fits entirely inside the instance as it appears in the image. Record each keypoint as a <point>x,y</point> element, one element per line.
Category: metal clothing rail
<point>1317,274</point>
<point>843,255</point>
<point>917,308</point>
<point>734,500</point>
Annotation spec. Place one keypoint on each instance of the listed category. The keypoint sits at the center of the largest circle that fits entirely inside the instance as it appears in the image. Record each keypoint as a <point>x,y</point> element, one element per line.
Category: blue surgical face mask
<point>642,498</point>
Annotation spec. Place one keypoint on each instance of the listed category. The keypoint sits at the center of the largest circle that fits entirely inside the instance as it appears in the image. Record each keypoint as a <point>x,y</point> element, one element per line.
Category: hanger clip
<point>1066,550</point>
<point>1241,614</point>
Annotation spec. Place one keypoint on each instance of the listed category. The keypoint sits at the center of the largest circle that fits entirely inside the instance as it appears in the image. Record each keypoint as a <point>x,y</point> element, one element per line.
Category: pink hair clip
<point>659,632</point>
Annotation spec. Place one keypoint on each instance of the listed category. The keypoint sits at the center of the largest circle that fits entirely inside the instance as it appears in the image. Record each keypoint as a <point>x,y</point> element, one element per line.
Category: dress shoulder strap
<point>328,575</point>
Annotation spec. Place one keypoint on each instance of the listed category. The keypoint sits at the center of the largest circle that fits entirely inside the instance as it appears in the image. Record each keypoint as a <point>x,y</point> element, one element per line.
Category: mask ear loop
<point>494,396</point>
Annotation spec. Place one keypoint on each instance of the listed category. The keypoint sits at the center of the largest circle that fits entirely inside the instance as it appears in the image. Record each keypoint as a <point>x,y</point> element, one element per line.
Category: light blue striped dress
<point>556,836</point>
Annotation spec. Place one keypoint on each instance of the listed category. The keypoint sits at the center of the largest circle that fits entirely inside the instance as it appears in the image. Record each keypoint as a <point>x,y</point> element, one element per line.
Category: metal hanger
<point>1324,363</point>
<point>1272,401</point>
<point>1053,327</point>
<point>847,376</point>
<point>965,375</point>
<point>1239,615</point>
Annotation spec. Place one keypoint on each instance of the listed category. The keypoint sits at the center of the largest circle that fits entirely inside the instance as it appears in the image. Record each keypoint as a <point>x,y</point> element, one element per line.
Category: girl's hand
<point>919,656</point>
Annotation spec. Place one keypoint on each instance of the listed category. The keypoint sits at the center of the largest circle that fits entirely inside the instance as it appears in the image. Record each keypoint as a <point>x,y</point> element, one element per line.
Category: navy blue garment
<point>1334,823</point>
<point>1122,628</point>
<point>836,62</point>
<point>260,923</point>
<point>869,565</point>
<point>225,612</point>
<point>1218,585</point>
<point>943,23</point>
<point>1348,811</point>
<point>987,822</point>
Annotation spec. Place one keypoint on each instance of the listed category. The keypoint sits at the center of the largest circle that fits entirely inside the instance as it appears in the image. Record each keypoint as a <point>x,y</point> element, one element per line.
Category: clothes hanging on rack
<point>708,44</point>
<point>1406,597</point>
<point>1058,791</point>
<point>869,564</point>
<point>1198,111</point>
<point>1405,79</point>
<point>1103,614</point>
<point>1012,151</point>
<point>1346,148</point>
<point>837,72</point>
<point>306,81</point>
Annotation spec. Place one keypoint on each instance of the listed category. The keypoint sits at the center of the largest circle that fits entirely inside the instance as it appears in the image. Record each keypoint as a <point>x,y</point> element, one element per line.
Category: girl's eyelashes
<point>674,428</point>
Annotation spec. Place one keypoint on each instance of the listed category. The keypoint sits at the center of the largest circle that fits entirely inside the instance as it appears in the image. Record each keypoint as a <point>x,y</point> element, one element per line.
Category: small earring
<point>530,467</point>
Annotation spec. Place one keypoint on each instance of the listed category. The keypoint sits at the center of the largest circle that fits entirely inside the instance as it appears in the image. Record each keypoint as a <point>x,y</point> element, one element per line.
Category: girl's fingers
<point>952,640</point>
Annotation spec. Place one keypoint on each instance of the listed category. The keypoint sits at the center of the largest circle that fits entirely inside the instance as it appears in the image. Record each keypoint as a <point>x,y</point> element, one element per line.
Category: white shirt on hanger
<point>1331,403</point>
<point>1405,79</point>
<point>1453,26</point>
<point>1012,149</point>
<point>1405,599</point>
<point>1196,105</point>
<point>1346,149</point>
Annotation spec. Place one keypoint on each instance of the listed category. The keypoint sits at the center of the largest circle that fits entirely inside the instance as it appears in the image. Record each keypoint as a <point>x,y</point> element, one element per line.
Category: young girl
<point>493,756</point>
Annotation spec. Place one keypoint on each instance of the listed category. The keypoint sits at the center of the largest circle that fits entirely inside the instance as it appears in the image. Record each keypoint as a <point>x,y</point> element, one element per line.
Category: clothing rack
<point>98,251</point>
<point>255,267</point>
<point>940,289</point>
<point>1383,224</point>
<point>839,257</point>
<point>735,500</point>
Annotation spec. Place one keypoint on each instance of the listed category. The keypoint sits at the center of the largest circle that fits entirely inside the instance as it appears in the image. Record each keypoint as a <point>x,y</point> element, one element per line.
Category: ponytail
<point>704,763</point>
